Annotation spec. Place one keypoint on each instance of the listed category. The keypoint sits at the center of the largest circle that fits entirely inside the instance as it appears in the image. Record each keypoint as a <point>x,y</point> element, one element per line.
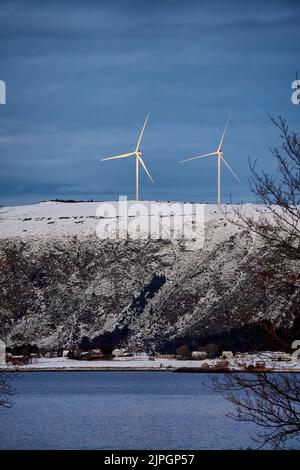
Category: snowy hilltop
<point>59,283</point>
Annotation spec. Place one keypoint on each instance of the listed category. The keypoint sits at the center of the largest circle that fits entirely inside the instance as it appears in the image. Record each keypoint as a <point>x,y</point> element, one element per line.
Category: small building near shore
<point>121,353</point>
<point>227,355</point>
<point>2,352</point>
<point>96,354</point>
<point>199,355</point>
<point>91,355</point>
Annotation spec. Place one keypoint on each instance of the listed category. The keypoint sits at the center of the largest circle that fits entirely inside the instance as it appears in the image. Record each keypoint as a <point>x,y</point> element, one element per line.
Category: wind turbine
<point>138,160</point>
<point>219,154</point>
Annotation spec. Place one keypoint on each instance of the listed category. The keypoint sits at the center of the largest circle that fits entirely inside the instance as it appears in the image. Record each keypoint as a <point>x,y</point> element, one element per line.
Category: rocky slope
<point>60,283</point>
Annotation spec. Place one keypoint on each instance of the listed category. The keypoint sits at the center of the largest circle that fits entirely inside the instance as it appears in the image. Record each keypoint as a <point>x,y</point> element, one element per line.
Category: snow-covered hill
<point>60,282</point>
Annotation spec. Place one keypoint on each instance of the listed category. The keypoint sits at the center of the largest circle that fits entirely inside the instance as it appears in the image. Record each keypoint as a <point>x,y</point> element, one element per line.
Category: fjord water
<point>119,410</point>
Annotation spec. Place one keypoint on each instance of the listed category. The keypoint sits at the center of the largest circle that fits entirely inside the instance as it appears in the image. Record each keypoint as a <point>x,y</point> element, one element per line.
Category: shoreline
<point>263,362</point>
<point>179,370</point>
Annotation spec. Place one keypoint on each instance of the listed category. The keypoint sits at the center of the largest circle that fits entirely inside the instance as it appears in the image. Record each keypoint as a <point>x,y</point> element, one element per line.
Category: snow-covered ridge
<point>80,218</point>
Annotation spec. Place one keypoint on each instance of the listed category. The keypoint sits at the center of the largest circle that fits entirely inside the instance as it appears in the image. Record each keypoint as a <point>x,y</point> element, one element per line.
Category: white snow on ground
<point>50,219</point>
<point>237,363</point>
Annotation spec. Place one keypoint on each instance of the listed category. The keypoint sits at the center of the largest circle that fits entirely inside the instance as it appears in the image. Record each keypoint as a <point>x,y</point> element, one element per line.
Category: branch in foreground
<point>269,400</point>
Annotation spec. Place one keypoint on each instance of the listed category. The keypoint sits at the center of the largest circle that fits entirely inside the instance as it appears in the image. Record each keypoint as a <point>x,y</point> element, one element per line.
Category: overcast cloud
<point>82,75</point>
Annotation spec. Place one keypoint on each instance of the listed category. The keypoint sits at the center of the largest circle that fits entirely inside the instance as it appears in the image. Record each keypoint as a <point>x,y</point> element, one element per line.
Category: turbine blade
<point>224,132</point>
<point>200,156</point>
<point>141,134</point>
<point>123,155</point>
<point>230,169</point>
<point>144,166</point>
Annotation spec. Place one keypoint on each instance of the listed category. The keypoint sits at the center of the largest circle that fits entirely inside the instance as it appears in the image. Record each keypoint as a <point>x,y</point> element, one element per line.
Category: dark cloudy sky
<point>82,75</point>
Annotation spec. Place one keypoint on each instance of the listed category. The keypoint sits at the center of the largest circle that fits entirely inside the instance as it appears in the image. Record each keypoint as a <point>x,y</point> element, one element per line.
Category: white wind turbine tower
<point>138,160</point>
<point>219,154</point>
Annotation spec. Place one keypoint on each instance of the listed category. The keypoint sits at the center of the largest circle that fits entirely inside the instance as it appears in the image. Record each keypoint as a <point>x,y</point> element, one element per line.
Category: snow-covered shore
<point>239,362</point>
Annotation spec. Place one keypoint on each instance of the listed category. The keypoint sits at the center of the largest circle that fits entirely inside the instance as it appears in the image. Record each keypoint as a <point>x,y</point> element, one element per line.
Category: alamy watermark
<point>296,346</point>
<point>2,352</point>
<point>2,92</point>
<point>296,94</point>
<point>143,220</point>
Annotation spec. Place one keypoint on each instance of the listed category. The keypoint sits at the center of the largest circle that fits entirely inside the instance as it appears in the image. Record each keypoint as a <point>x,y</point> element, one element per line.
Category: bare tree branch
<point>270,400</point>
<point>277,222</point>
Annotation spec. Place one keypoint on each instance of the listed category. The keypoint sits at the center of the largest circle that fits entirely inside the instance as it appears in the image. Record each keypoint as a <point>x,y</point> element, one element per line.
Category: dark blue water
<point>119,410</point>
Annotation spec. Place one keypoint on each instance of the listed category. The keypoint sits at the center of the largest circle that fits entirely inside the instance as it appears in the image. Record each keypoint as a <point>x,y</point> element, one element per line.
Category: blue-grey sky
<point>82,75</point>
